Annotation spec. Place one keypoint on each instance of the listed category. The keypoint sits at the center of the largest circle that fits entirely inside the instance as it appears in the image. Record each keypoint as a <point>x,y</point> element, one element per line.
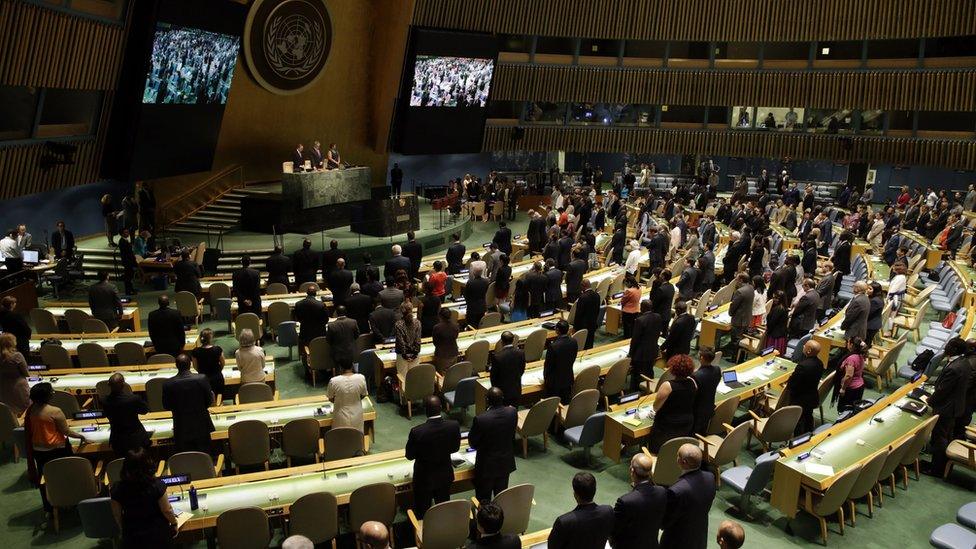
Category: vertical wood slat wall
<point>950,90</point>
<point>706,20</point>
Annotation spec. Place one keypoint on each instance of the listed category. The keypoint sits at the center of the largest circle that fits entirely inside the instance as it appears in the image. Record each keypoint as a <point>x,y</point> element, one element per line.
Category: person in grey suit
<point>103,299</point>
<point>391,297</point>
<point>740,311</point>
<point>687,281</point>
<point>706,272</point>
<point>804,316</point>
<point>689,499</point>
<point>826,287</point>
<point>855,322</point>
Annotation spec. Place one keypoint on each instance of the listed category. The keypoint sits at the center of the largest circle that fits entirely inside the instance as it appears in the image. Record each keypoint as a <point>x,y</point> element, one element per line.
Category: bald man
<point>804,383</point>
<point>297,542</point>
<point>689,499</point>
<point>374,535</point>
<point>637,514</point>
<point>730,535</point>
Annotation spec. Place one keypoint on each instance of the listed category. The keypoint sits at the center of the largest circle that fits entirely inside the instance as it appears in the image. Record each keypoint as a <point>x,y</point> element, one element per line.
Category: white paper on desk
<point>723,388</point>
<point>818,469</point>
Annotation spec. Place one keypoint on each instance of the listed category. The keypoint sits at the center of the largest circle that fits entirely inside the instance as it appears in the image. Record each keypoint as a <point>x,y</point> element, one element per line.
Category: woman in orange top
<point>630,304</point>
<point>438,280</point>
<point>48,432</point>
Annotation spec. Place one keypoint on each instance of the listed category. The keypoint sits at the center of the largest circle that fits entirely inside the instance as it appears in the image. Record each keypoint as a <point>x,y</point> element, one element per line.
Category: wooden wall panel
<point>959,154</point>
<point>947,90</point>
<point>706,20</point>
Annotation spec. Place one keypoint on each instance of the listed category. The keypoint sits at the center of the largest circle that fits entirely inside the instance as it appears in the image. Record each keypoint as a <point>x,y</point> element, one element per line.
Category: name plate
<point>402,218</point>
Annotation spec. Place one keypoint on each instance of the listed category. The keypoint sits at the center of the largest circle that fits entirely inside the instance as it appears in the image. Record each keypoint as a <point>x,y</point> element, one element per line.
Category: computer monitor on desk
<point>31,257</point>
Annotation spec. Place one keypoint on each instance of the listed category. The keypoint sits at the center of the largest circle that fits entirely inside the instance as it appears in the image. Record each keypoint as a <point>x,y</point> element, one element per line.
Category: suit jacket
<point>686,517</point>
<point>706,380</point>
<point>706,276</point>
<point>565,251</point>
<point>189,396</point>
<point>587,311</point>
<point>507,367</point>
<point>804,382</point>
<point>395,264</point>
<point>949,396</point>
<point>474,294</point>
<point>804,316</point>
<point>637,517</point>
<point>687,282</point>
<point>536,284</point>
<point>574,276</point>
<point>783,280</point>
<point>492,433</point>
<point>429,446</point>
<point>503,239</point>
<point>381,322</point>
<point>825,289</point>
<point>126,255</point>
<point>662,299</point>
<point>63,244</point>
<point>312,316</point>
<point>306,264</point>
<point>855,322</point>
<point>444,337</point>
<point>13,323</point>
<point>103,298</point>
<point>341,334</point>
<point>188,275</point>
<point>554,286</point>
<point>339,282</point>
<point>122,411</point>
<point>298,159</point>
<point>413,251</point>
<point>644,346</point>
<point>278,267</point>
<point>557,371</point>
<point>358,307</point>
<point>842,257</point>
<point>740,309</point>
<point>496,541</point>
<point>166,331</point>
<point>679,337</point>
<point>536,234</point>
<point>361,273</point>
<point>329,259</point>
<point>588,526</point>
<point>247,285</point>
<point>391,297</point>
<point>455,257</point>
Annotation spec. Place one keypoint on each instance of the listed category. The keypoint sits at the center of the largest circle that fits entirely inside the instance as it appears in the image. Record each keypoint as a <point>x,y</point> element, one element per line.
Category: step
<point>235,207</point>
<point>211,218</point>
<point>230,202</point>
<point>204,225</point>
<point>221,210</point>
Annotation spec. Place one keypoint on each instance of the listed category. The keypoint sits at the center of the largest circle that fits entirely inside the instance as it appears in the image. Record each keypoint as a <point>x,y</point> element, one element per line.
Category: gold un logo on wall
<point>287,43</point>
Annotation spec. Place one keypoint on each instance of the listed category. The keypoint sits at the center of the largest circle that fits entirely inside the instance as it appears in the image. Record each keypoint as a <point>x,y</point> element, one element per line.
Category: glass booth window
<point>786,119</point>
<point>591,114</point>
<point>742,117</point>
<point>541,112</point>
<point>18,105</point>
<point>830,121</point>
<point>872,122</point>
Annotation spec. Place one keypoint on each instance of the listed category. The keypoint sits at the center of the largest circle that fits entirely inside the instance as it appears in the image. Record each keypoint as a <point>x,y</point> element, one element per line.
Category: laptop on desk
<point>731,379</point>
<point>31,257</point>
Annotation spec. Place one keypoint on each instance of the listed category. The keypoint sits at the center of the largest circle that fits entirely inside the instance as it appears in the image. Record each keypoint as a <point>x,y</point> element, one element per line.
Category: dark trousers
<point>127,274</point>
<point>564,394</point>
<point>849,398</point>
<point>628,322</point>
<point>486,488</point>
<point>41,457</point>
<point>941,435</point>
<point>395,190</point>
<point>512,206</point>
<point>424,496</point>
<point>869,339</point>
<point>638,369</point>
<point>805,425</point>
<point>735,336</point>
<point>193,444</point>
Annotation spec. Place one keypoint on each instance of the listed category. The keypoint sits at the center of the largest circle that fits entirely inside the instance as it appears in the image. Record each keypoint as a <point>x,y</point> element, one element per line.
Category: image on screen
<point>451,81</point>
<point>190,66</point>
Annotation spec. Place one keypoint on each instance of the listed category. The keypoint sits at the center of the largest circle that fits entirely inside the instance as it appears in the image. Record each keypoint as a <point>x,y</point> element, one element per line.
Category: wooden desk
<point>208,281</point>
<point>130,312</point>
<point>966,275</point>
<point>459,281</point>
<point>106,341</point>
<point>933,255</point>
<point>712,323</point>
<point>830,335</point>
<point>787,238</point>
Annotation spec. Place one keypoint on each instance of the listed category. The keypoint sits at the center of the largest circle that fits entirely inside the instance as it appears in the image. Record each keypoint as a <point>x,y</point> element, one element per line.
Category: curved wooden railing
<point>195,196</point>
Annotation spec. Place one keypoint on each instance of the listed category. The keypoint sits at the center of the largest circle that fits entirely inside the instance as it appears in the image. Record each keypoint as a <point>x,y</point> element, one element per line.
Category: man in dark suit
<point>330,258</point>
<point>740,311</point>
<point>246,283</point>
<point>589,525</point>
<point>783,280</point>
<point>414,252</point>
<point>128,259</point>
<point>455,255</point>
<point>948,400</point>
<point>474,294</point>
<point>554,285</point>
<point>661,299</point>
<point>687,281</point>
<point>492,433</point>
<point>278,266</point>
<point>13,323</point>
<point>341,334</point>
<point>557,371</point>
<point>490,519</point>
<point>63,242</point>
<point>644,348</point>
<point>396,180</point>
<point>188,397</point>
<point>340,280</point>
<point>103,299</point>
<point>391,297</point>
<point>536,283</point>
<point>804,316</point>
<point>396,263</point>
<point>429,446</point>
<point>298,157</point>
<point>587,313</point>
<point>122,408</point>
<point>842,253</point>
<point>316,156</point>
<point>507,367</point>
<point>855,323</point>
<point>381,322</point>
<point>565,251</point>
<point>364,270</point>
<point>637,515</point>
<point>706,271</point>
<point>536,232</point>
<point>188,274</point>
<point>803,385</point>
<point>311,315</point>
<point>707,378</point>
<point>305,263</point>
<point>574,276</point>
<point>503,238</point>
<point>166,329</point>
<point>358,307</point>
<point>689,499</point>
<point>678,341</point>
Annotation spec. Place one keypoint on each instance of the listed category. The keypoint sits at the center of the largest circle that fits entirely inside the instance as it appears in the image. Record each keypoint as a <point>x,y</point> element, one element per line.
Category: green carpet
<point>904,521</point>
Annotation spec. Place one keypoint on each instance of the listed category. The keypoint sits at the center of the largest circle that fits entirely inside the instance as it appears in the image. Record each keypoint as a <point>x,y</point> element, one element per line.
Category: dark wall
<point>78,206</point>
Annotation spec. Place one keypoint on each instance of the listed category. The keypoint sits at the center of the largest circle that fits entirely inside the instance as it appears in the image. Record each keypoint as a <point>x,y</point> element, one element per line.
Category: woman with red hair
<point>674,404</point>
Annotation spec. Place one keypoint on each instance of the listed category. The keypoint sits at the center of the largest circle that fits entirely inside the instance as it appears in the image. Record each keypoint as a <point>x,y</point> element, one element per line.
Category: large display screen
<point>451,81</point>
<point>190,66</point>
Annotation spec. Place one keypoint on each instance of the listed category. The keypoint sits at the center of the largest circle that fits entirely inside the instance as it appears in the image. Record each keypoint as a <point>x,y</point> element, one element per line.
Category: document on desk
<point>817,469</point>
<point>633,421</point>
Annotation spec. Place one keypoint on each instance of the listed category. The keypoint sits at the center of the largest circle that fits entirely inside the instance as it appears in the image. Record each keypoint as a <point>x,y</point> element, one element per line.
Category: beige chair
<point>477,355</point>
<point>8,422</point>
<point>301,438</point>
<point>588,378</point>
<point>94,326</point>
<point>276,288</point>
<point>778,427</point>
<point>582,406</point>
<point>55,357</point>
<point>724,412</point>
<point>911,318</point>
<point>130,353</point>
<point>617,284</point>
<point>92,355</point>
<point>315,516</point>
<point>615,382</point>
<point>535,421</point>
<point>448,382</point>
<point>243,528</point>
<point>44,322</point>
<point>722,451</point>
<point>249,321</point>
<point>516,504</point>
<point>823,391</point>
<point>918,442</point>
<point>257,391</point>
<point>960,452</point>
<point>477,209</point>
<point>702,305</point>
<point>75,318</point>
<point>188,306</point>
<point>66,482</point>
<point>491,303</point>
<point>249,444</point>
<point>112,472</point>
<point>490,320</point>
<point>373,502</point>
<point>304,286</point>
<point>892,462</point>
<point>418,384</point>
<point>320,357</point>
<point>880,368</point>
<point>161,358</point>
<point>343,443</point>
<point>665,471</point>
<point>218,290</point>
<point>198,465</point>
<point>831,501</point>
<point>603,288</point>
<point>154,394</point>
<point>535,344</point>
<point>497,209</point>
<point>867,479</point>
<point>571,317</point>
<point>580,337</point>
<point>67,402</point>
<point>278,312</point>
<point>364,342</point>
<point>447,525</point>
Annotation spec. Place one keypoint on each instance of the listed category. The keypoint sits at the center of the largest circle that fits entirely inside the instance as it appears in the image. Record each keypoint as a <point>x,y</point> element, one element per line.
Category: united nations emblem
<point>287,43</point>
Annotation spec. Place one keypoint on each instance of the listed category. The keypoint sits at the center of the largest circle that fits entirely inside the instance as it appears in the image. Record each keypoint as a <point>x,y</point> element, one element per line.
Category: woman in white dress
<point>346,391</point>
<point>897,288</point>
<point>250,358</point>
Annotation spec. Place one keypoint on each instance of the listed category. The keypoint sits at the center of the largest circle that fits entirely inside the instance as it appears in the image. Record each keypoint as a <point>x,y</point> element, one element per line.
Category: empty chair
<point>97,519</point>
<point>586,435</point>
<point>55,357</point>
<point>276,288</point>
<point>113,471</point>
<point>94,326</point>
<point>887,473</point>
<point>724,412</point>
<point>447,525</point>
<point>918,442</point>
<point>490,320</point>
<point>255,392</point>
<point>92,355</point>
<point>961,452</point>
<point>287,333</point>
<point>315,516</point>
<point>161,358</point>
<point>221,309</point>
<point>343,443</point>
<point>218,290</point>
<point>952,536</point>
<point>44,321</point>
<point>75,318</point>
<point>278,312</point>
<point>615,382</point>
<point>778,427</point>
<point>198,465</point>
<point>249,321</point>
<point>417,385</point>
<point>823,390</point>
<point>580,337</point>
<point>666,471</point>
<point>249,444</point>
<point>243,528</point>
<point>67,402</point>
<point>867,479</point>
<point>477,355</point>
<point>831,501</point>
<point>454,375</point>
<point>588,378</point>
<point>749,481</point>
<point>188,306</point>
<point>722,451</point>
<point>68,481</point>
<point>320,357</point>
<point>535,344</point>
<point>300,438</point>
<point>154,394</point>
<point>373,502</point>
<point>130,353</point>
<point>581,407</point>
<point>516,504</point>
<point>463,394</point>
<point>535,421</point>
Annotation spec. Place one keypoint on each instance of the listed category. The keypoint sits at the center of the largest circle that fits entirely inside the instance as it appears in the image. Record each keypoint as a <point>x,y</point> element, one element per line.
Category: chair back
<point>92,355</point>
<point>219,290</point>
<point>315,516</point>
<point>539,417</point>
<point>702,304</point>
<point>535,344</point>
<point>161,358</point>
<point>580,337</point>
<point>919,441</point>
<point>724,413</point>
<point>868,477</point>
<point>446,525</point>
<point>243,528</point>
<point>372,502</point>
<point>571,317</point>
<point>364,342</point>
<point>287,332</point>
<point>731,445</point>
<point>276,288</point>
<point>343,443</point>
<point>186,304</point>
<point>320,355</point>
<point>75,318</point>
<point>615,381</point>
<point>617,284</point>
<point>603,288</point>
<point>419,382</point>
<point>838,492</point>
<point>581,407</point>
<point>780,425</point>
<point>221,308</point>
<point>300,437</point>
<point>130,353</point>
<point>113,470</point>
<point>94,326</point>
<point>249,442</point>
<point>257,391</point>
<point>516,504</point>
<point>666,376</point>
<point>67,402</point>
<point>55,357</point>
<point>44,321</point>
<point>490,320</point>
<point>250,321</point>
<point>491,301</point>
<point>893,459</point>
<point>97,518</point>
<point>823,389</point>
<point>454,375</point>
<point>666,470</point>
<point>198,465</point>
<point>154,394</point>
<point>69,480</point>
<point>761,474</point>
<point>477,355</point>
<point>593,427</point>
<point>278,312</point>
<point>588,378</point>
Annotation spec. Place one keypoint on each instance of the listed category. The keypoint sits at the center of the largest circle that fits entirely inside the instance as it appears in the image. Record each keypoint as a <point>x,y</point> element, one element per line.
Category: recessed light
<point>824,51</point>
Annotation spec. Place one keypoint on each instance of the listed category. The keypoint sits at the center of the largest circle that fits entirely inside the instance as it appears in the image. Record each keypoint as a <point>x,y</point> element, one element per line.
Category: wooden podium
<point>386,216</point>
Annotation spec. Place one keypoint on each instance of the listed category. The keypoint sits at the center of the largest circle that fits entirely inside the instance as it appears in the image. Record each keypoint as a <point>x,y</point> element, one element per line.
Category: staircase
<point>107,260</point>
<point>219,216</point>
